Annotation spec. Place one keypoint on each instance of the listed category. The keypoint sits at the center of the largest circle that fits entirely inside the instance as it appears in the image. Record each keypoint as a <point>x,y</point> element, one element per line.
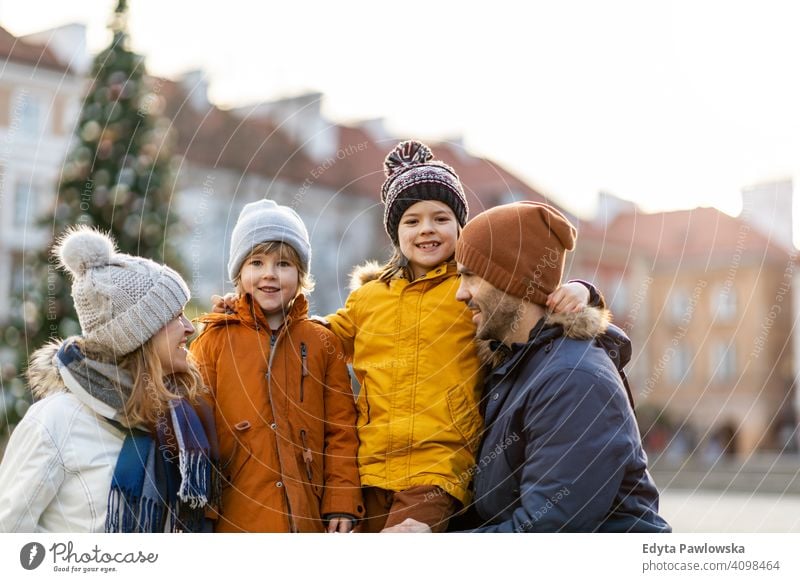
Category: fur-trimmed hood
<point>589,323</point>
<point>585,324</point>
<point>42,373</point>
<point>363,274</point>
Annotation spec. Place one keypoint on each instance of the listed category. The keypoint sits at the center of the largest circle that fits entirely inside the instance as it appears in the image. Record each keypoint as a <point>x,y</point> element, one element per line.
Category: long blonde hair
<point>152,390</point>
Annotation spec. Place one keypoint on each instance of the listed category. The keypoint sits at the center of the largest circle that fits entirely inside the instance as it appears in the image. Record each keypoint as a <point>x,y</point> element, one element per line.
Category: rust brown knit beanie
<point>519,248</point>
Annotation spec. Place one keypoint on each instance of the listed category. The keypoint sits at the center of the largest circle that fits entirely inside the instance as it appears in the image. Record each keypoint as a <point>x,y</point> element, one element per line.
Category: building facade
<point>40,97</point>
<point>707,299</point>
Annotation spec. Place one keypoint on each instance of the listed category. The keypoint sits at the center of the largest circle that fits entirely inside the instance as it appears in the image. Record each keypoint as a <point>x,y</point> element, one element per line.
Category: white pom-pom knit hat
<point>121,300</point>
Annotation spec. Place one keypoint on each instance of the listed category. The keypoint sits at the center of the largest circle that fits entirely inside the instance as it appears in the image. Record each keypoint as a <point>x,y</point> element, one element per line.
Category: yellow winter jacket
<point>413,352</point>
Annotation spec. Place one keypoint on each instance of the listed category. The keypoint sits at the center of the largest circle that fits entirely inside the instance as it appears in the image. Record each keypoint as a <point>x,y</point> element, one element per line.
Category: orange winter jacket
<point>285,418</point>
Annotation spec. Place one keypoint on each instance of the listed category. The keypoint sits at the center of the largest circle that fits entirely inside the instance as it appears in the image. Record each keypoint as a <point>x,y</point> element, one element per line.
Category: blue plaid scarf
<point>161,482</point>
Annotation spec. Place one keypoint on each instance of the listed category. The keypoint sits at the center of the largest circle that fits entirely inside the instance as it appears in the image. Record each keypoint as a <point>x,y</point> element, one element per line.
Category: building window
<point>725,303</point>
<point>723,361</point>
<point>24,199</point>
<point>619,297</point>
<point>678,306</point>
<point>680,364</point>
<point>31,113</point>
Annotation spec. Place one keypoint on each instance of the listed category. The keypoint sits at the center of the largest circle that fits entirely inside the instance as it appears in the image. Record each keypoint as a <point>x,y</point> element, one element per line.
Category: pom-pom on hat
<point>412,175</point>
<point>267,221</point>
<point>519,248</point>
<point>122,301</point>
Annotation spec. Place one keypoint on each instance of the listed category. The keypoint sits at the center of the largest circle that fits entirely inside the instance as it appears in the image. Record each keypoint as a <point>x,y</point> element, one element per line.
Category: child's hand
<point>410,525</point>
<point>569,298</point>
<point>223,304</point>
<point>340,525</point>
<point>320,320</point>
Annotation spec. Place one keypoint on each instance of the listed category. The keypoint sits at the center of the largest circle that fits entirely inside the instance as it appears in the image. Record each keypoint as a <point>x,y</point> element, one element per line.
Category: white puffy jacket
<point>57,469</point>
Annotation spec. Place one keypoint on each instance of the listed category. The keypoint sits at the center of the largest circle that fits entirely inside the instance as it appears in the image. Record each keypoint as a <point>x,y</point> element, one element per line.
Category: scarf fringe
<point>195,476</point>
<point>128,513</point>
<point>151,518</point>
<point>193,461</point>
<point>112,517</point>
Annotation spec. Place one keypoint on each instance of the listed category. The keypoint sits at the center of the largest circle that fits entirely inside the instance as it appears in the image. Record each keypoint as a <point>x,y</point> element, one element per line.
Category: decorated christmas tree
<point>116,177</point>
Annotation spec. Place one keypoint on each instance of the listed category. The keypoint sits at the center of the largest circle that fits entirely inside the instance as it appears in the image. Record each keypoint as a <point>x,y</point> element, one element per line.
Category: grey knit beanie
<point>266,221</point>
<point>122,301</point>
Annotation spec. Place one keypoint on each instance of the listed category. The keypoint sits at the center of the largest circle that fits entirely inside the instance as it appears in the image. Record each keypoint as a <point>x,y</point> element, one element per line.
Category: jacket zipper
<point>304,359</point>
<point>273,343</point>
<point>307,456</point>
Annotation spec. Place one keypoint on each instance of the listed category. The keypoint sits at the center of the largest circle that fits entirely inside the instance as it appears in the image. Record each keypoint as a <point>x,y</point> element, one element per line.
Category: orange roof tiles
<point>220,138</point>
<point>699,232</point>
<point>15,50</point>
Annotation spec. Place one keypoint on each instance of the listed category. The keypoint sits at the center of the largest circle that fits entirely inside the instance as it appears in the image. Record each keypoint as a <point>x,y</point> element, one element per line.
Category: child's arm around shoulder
<point>574,296</point>
<point>345,322</point>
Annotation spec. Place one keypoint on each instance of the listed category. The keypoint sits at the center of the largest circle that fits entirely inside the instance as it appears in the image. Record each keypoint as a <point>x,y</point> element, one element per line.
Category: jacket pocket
<point>241,453</point>
<point>362,406</point>
<point>465,415</point>
<point>312,470</point>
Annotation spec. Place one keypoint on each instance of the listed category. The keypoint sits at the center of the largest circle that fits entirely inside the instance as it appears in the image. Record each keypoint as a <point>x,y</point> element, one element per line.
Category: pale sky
<point>669,104</point>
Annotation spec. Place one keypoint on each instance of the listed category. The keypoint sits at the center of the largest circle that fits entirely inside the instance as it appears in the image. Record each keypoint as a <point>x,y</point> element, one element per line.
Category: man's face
<point>494,312</point>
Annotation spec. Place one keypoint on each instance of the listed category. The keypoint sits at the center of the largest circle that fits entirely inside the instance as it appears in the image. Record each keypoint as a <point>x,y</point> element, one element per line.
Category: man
<point>561,450</point>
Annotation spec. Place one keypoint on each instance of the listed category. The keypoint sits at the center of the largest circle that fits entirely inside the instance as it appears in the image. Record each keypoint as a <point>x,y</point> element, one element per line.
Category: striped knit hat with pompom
<point>412,175</point>
<point>122,301</point>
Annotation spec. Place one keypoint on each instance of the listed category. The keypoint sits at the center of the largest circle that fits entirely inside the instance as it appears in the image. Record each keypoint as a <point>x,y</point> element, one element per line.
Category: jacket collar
<point>589,323</point>
<point>46,376</point>
<point>250,313</point>
<point>438,273</point>
<point>443,270</point>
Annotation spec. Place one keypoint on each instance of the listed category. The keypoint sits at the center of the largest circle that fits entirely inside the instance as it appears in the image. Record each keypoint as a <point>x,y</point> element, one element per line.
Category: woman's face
<point>170,345</point>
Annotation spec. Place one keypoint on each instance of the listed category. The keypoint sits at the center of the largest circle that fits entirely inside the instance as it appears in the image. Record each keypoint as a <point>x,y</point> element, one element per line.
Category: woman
<point>114,442</point>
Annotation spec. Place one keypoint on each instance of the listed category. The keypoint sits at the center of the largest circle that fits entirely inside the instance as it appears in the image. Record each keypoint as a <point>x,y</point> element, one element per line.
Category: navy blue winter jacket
<point>561,450</point>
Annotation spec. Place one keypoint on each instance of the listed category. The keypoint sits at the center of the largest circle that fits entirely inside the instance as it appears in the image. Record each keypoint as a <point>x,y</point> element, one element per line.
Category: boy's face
<point>272,281</point>
<point>427,235</point>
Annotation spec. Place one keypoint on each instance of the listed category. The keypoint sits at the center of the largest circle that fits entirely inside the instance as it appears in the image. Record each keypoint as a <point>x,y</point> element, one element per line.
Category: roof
<point>220,138</point>
<point>18,51</point>
<point>704,232</point>
<point>217,138</point>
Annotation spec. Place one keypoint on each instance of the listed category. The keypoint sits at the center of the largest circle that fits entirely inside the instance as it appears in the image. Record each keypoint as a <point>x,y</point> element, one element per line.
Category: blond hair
<point>152,389</point>
<point>305,282</point>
